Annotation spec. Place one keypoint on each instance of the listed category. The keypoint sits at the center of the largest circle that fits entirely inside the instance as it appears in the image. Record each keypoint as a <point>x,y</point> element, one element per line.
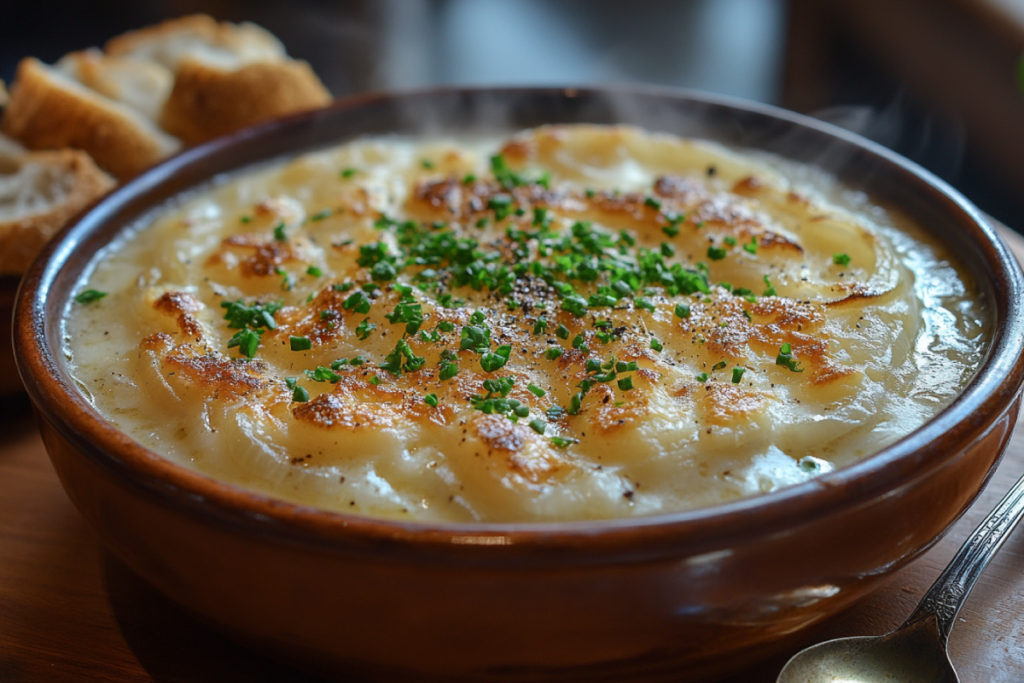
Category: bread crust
<point>206,101</point>
<point>143,43</point>
<point>23,237</point>
<point>45,112</point>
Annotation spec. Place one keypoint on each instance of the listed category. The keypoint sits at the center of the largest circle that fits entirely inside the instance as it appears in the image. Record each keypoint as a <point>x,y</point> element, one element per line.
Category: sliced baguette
<point>143,86</point>
<point>48,109</point>
<point>226,75</point>
<point>39,192</point>
<point>208,101</point>
<point>227,44</point>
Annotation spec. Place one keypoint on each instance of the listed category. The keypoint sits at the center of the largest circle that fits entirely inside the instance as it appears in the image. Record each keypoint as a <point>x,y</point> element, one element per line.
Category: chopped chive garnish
<point>358,302</point>
<point>553,353</point>
<point>349,172</point>
<point>89,296</point>
<point>247,340</point>
<point>538,426</point>
<point>468,178</point>
<point>339,364</point>
<point>841,259</point>
<point>364,329</point>
<point>314,271</point>
<point>426,163</point>
<point>786,360</point>
<point>703,377</point>
<point>769,289</point>
<point>501,204</point>
<point>656,345</point>
<point>751,246</point>
<point>579,341</point>
<point>562,332</point>
<point>300,343</point>
<point>343,287</point>
<point>667,250</point>
<point>448,370</point>
<point>240,315</point>
<point>560,442</point>
<point>626,383</point>
<point>494,361</point>
<point>716,253</point>
<point>731,241</point>
<point>682,311</point>
<point>320,215</point>
<point>737,374</point>
<point>653,203</point>
<point>718,366</point>
<point>357,361</point>
<point>291,382</point>
<point>430,400</point>
<point>322,374</point>
<point>541,326</point>
<point>446,326</point>
<point>375,380</point>
<point>535,390</point>
<point>300,395</point>
<point>644,304</point>
<point>576,305</point>
<point>279,233</point>
<point>540,217</point>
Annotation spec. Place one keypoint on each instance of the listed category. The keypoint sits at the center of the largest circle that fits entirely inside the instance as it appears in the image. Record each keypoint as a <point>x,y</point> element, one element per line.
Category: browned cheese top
<point>576,322</point>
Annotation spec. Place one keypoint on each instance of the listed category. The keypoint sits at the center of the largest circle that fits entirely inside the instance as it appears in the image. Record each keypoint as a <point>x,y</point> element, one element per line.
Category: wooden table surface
<point>70,611</point>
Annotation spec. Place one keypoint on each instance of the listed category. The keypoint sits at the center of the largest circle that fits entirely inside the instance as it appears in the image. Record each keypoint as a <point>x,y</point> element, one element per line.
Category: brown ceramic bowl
<point>10,383</point>
<point>671,597</point>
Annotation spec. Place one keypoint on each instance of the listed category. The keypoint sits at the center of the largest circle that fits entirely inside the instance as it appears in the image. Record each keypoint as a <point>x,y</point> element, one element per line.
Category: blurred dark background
<point>936,80</point>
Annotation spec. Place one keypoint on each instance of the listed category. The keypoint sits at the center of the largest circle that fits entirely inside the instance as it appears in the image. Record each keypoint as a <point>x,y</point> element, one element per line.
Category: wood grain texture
<point>69,611</point>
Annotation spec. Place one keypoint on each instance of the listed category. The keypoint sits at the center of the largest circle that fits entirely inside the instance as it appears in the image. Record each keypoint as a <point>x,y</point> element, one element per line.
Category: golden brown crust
<point>207,101</point>
<point>201,25</point>
<point>450,198</point>
<point>22,237</point>
<point>723,404</point>
<point>161,42</point>
<point>215,375</point>
<point>46,112</point>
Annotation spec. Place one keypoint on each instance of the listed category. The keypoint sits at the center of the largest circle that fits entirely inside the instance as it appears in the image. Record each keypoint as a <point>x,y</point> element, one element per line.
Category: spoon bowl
<point>914,653</point>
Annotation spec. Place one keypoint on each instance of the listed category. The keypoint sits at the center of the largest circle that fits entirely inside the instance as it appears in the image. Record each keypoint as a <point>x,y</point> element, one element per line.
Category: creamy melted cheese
<point>716,410</point>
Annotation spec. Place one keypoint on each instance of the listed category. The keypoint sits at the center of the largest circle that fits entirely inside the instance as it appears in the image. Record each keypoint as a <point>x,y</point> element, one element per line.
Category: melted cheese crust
<point>878,345</point>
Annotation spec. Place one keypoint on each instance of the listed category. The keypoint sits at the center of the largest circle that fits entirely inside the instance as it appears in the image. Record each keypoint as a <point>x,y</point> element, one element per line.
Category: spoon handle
<point>949,592</point>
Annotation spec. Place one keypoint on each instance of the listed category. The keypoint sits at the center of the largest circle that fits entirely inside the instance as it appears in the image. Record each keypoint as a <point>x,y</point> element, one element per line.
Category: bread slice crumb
<point>39,193</point>
<point>208,101</point>
<point>226,75</point>
<point>143,86</point>
<point>48,109</point>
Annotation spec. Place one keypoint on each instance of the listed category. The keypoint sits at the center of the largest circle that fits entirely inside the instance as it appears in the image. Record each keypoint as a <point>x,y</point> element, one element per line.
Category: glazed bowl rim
<point>992,389</point>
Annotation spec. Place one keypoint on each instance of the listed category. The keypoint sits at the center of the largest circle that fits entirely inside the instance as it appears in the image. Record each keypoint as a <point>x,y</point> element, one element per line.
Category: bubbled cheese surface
<point>631,298</point>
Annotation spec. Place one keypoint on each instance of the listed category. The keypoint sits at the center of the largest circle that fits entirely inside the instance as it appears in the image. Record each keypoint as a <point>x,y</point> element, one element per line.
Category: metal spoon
<point>916,651</point>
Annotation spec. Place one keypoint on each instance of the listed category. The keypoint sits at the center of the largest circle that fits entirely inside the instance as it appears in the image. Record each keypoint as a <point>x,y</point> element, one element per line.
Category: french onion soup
<point>578,322</point>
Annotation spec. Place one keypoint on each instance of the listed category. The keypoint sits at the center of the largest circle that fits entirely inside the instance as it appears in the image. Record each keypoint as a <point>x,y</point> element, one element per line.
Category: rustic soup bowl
<point>10,383</point>
<point>682,596</point>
